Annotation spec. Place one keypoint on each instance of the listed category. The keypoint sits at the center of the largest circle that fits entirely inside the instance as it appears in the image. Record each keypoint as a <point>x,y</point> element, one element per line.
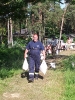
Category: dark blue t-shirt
<point>35,48</point>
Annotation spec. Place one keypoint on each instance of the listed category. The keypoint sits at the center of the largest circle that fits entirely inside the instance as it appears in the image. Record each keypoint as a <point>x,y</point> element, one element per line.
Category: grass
<point>51,87</point>
<point>69,78</point>
<point>57,84</point>
<point>69,82</point>
<point>10,65</point>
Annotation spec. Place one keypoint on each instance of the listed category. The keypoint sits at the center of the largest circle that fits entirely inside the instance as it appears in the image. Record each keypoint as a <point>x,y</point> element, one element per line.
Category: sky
<point>62,5</point>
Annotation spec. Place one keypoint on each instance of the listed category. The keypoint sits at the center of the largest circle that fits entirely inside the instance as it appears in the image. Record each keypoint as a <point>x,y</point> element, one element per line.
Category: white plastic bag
<point>52,65</point>
<point>57,52</point>
<point>49,51</point>
<point>25,65</point>
<point>41,55</point>
<point>43,67</point>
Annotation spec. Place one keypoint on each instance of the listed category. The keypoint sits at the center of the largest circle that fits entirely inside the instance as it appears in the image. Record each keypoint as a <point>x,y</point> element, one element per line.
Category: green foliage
<point>14,9</point>
<point>43,17</point>
<point>10,61</point>
<point>70,1</point>
<point>69,78</point>
<point>69,82</point>
<point>69,63</point>
<point>74,39</point>
<point>64,37</point>
<point>3,43</point>
<point>2,31</point>
<point>70,20</point>
<point>21,42</point>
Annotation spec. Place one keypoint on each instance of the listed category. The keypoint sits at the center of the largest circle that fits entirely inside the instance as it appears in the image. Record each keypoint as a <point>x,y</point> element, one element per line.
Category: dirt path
<point>49,88</point>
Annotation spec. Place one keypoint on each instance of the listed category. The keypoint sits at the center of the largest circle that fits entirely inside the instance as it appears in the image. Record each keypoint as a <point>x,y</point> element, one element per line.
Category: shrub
<point>69,63</point>
<point>11,60</point>
<point>21,42</point>
<point>64,37</point>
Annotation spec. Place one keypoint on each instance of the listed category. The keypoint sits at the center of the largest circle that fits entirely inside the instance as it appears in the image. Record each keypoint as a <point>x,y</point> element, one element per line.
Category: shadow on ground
<point>26,75</point>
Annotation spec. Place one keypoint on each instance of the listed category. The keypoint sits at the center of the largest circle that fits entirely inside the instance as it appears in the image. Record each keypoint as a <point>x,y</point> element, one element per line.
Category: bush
<point>64,37</point>
<point>69,63</point>
<point>21,42</point>
<point>10,61</point>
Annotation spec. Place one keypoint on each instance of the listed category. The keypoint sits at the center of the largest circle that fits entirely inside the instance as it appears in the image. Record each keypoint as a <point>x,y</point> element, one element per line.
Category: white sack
<point>43,67</point>
<point>25,65</point>
<point>57,52</point>
<point>42,56</point>
<point>49,51</point>
<point>52,65</point>
<point>71,47</point>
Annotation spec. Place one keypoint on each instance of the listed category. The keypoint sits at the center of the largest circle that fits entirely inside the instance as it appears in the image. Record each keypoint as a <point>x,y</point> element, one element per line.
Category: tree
<point>43,17</point>
<point>12,10</point>
<point>69,25</point>
<point>68,2</point>
<point>39,17</point>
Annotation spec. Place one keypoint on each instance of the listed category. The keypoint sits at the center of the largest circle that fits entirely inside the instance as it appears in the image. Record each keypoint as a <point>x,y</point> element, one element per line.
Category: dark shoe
<point>30,80</point>
<point>36,77</point>
<point>23,75</point>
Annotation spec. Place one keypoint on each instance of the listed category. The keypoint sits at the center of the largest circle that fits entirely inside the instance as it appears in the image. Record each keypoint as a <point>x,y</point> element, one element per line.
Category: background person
<point>68,43</point>
<point>34,48</point>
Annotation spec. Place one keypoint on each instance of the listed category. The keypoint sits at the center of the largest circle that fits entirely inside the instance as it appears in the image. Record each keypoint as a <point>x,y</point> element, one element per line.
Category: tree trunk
<point>20,26</point>
<point>40,22</point>
<point>10,35</point>
<point>40,34</point>
<point>11,32</point>
<point>62,23</point>
<point>26,29</point>
<point>32,22</point>
<point>43,27</point>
